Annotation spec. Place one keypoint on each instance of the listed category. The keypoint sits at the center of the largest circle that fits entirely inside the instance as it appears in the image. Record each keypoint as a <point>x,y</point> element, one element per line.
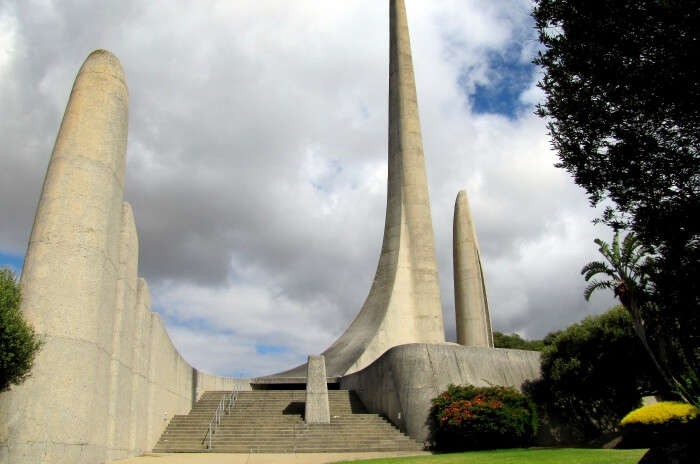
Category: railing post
<point>221,410</point>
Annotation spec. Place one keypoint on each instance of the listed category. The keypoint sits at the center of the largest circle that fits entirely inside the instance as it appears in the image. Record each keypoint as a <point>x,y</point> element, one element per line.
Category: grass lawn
<point>522,456</point>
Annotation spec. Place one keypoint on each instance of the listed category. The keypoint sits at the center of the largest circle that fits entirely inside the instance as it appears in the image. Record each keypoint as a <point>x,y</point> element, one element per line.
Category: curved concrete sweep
<point>403,305</point>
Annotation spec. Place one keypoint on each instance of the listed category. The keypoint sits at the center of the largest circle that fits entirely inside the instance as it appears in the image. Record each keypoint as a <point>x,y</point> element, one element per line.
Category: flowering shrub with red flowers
<point>468,417</point>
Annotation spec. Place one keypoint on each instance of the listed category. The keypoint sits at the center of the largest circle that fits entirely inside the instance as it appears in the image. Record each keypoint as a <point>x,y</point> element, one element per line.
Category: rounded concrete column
<point>69,278</point>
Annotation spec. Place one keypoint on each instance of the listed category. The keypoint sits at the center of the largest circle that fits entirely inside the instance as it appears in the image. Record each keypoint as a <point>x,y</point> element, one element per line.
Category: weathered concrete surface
<point>402,382</point>
<point>211,382</point>
<point>471,301</point>
<point>69,278</point>
<point>403,305</point>
<point>108,378</point>
<point>317,409</point>
<point>124,321</point>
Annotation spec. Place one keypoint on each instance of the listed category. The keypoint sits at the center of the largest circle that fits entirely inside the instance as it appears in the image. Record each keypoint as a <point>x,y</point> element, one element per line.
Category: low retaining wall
<point>402,382</point>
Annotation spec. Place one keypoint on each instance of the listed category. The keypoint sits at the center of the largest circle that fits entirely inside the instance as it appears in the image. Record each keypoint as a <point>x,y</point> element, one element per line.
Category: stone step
<point>284,449</point>
<point>282,424</point>
<point>291,439</point>
<point>378,432</point>
<point>272,421</point>
<point>194,434</point>
<point>300,425</point>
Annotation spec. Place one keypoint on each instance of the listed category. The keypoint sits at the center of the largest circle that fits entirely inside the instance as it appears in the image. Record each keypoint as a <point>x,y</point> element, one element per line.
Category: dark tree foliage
<point>501,340</point>
<point>18,342</point>
<point>593,373</point>
<point>623,110</point>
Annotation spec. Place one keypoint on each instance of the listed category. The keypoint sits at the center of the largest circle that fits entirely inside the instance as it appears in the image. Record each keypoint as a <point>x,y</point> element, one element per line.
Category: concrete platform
<point>301,458</point>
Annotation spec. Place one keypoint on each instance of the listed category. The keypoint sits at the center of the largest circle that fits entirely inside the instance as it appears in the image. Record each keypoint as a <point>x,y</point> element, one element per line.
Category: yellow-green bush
<point>660,413</point>
<point>661,424</point>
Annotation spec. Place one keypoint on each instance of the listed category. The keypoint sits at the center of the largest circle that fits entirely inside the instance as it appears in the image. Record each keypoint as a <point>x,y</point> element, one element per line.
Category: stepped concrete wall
<point>401,383</point>
<point>108,378</point>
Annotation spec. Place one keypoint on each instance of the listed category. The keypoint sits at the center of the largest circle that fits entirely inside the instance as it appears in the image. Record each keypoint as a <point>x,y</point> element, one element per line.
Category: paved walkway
<point>260,458</point>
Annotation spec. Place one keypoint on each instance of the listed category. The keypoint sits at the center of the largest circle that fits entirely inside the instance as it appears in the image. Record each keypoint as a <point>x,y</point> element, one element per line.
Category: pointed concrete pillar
<point>403,305</point>
<point>60,414</point>
<point>471,302</point>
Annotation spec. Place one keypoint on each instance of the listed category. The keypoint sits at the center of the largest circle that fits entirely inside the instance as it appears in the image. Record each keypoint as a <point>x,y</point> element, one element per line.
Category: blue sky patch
<point>271,349</point>
<point>323,182</point>
<point>14,262</point>
<point>197,324</point>
<point>508,78</point>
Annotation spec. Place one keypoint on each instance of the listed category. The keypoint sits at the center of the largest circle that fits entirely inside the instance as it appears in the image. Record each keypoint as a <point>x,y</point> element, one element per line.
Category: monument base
<point>402,382</point>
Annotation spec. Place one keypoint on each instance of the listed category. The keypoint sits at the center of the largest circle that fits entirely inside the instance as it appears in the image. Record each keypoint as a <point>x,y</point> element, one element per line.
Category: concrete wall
<point>402,382</point>
<point>108,378</point>
<point>64,414</point>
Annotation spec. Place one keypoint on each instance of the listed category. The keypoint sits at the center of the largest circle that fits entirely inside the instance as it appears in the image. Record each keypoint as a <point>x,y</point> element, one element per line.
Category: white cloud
<point>8,38</point>
<point>257,161</point>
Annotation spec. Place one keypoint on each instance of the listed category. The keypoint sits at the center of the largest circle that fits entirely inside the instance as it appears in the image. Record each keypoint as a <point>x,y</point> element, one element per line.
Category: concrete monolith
<point>108,378</point>
<point>69,278</point>
<point>317,409</point>
<point>471,302</point>
<point>403,305</point>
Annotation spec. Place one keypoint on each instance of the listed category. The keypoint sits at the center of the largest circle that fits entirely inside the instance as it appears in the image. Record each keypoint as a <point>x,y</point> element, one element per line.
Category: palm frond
<point>626,264</point>
<point>633,250</point>
<point>595,285</point>
<point>594,268</point>
<point>616,244</point>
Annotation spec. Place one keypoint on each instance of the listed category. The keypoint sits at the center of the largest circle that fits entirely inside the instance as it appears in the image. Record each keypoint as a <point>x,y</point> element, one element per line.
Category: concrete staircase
<point>271,421</point>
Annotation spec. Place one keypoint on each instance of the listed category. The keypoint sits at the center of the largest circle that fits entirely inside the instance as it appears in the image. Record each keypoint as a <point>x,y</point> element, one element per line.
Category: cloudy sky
<point>257,160</point>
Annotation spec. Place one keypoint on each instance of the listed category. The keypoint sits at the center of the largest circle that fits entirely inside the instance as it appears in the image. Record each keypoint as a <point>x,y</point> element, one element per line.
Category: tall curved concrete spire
<point>471,302</point>
<point>403,305</point>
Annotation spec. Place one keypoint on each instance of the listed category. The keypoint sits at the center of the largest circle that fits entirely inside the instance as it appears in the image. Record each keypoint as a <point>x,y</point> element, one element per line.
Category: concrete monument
<point>403,305</point>
<point>108,378</point>
<point>471,302</point>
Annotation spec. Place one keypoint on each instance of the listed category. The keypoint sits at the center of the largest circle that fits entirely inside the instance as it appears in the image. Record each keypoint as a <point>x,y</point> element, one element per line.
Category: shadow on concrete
<point>295,408</point>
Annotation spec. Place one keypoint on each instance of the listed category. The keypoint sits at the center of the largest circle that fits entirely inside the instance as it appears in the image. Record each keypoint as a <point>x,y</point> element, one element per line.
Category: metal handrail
<point>224,407</point>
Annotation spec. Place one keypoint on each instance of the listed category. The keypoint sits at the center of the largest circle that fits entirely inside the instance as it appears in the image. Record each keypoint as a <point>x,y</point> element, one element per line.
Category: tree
<point>18,342</point>
<point>625,271</point>
<point>514,341</point>
<point>622,101</point>
<point>592,374</point>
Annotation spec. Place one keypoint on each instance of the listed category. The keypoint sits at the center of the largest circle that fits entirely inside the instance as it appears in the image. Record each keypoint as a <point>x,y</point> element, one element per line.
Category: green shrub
<point>468,417</point>
<point>592,374</point>
<point>514,341</point>
<point>18,342</point>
